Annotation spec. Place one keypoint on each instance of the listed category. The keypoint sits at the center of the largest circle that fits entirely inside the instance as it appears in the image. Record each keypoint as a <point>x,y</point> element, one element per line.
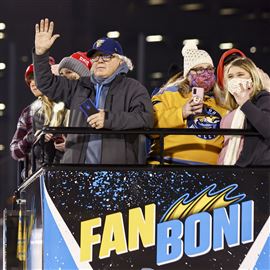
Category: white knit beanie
<point>193,57</point>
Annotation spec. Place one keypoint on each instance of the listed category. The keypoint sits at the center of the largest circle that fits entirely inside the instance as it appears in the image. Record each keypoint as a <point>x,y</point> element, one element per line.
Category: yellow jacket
<point>187,148</point>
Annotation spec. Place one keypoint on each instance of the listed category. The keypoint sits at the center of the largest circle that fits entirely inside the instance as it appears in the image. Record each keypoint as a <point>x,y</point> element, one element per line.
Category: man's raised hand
<point>44,37</point>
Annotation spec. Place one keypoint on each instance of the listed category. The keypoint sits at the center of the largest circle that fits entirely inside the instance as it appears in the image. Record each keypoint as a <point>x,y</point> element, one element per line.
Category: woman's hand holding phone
<point>195,104</point>
<point>191,108</point>
<point>59,142</point>
<point>48,137</point>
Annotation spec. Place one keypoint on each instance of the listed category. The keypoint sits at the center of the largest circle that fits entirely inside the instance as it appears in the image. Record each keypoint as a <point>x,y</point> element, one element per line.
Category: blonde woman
<point>175,107</point>
<point>49,113</point>
<point>249,104</point>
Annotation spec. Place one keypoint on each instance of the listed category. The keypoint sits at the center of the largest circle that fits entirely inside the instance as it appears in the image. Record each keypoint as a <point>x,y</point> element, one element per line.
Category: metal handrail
<point>161,132</point>
<point>154,131</point>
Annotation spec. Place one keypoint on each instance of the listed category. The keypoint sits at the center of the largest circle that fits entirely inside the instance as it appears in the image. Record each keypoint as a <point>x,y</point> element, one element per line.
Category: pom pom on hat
<point>77,62</point>
<point>193,56</point>
<point>190,45</point>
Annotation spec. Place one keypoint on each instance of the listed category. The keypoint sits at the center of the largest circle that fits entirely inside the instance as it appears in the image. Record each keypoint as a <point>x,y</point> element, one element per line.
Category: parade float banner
<point>156,218</point>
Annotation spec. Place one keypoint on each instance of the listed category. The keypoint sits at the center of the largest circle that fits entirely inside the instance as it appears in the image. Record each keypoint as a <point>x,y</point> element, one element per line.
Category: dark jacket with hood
<point>256,150</point>
<point>127,106</point>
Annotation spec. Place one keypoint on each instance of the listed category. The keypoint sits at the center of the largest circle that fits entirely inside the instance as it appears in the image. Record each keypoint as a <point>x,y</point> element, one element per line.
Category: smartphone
<point>198,94</point>
<point>88,108</point>
<point>58,139</point>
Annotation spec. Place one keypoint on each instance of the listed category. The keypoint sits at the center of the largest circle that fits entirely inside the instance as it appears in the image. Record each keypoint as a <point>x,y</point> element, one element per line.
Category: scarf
<point>102,85</point>
<point>123,68</point>
<point>100,82</point>
<point>234,141</point>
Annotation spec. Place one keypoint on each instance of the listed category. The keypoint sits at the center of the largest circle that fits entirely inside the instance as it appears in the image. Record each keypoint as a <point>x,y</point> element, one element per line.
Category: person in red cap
<point>23,138</point>
<point>39,113</point>
<point>120,102</point>
<point>75,66</point>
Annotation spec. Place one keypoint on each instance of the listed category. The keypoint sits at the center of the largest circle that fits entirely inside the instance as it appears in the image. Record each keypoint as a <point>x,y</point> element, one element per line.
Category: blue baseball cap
<point>106,45</point>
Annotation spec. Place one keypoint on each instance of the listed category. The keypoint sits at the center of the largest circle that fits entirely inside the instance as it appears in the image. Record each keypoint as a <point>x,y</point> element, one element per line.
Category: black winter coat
<point>256,150</point>
<point>128,106</point>
<point>51,154</point>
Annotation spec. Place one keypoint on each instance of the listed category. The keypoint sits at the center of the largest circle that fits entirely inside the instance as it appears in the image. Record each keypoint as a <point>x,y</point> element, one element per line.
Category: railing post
<point>161,145</point>
<point>43,148</point>
<point>26,166</point>
<point>33,161</point>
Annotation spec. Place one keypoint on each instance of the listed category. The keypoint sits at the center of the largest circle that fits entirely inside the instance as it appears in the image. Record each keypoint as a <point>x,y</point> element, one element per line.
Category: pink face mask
<point>205,80</point>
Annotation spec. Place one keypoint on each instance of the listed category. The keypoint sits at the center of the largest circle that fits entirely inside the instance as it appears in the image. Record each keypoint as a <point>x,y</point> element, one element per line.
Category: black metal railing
<point>161,132</point>
<point>158,133</point>
<point>154,131</point>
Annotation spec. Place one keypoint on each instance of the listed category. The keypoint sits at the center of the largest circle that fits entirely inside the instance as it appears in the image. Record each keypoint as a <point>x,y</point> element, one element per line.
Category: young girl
<point>49,113</point>
<point>39,113</point>
<point>250,109</point>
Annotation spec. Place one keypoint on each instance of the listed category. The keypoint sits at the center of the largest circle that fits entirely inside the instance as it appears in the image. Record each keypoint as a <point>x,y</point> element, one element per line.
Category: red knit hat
<point>30,71</point>
<point>222,62</point>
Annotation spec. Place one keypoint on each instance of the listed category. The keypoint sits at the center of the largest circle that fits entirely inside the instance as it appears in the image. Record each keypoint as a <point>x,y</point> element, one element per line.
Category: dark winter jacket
<point>127,106</point>
<point>51,154</point>
<point>256,150</point>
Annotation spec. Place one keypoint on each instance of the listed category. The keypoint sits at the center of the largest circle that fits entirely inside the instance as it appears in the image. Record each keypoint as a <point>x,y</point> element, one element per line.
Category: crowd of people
<point>236,96</point>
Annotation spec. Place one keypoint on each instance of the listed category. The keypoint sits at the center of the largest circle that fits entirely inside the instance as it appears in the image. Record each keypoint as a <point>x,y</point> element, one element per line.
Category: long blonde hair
<point>249,66</point>
<point>180,82</point>
<point>54,113</point>
<point>219,95</point>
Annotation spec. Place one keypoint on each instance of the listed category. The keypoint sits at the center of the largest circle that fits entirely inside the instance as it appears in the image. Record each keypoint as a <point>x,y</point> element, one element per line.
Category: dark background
<point>80,22</point>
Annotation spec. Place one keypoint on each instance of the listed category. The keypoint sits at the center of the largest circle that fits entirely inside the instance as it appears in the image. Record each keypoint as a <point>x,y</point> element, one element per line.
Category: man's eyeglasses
<point>199,71</point>
<point>104,58</point>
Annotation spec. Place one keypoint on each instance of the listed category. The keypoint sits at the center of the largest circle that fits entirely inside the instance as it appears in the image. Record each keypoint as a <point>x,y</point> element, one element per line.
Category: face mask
<point>233,85</point>
<point>204,80</point>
